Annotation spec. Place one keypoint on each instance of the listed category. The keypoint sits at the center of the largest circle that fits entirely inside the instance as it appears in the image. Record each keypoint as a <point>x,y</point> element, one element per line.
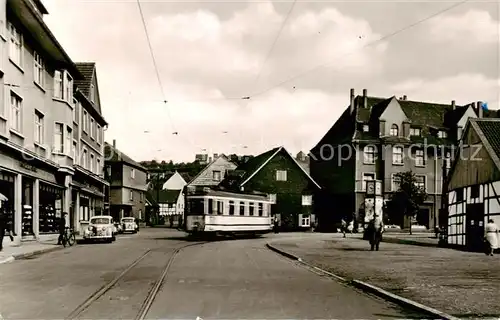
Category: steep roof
<point>151,198</point>
<point>247,170</point>
<point>169,196</point>
<point>115,155</point>
<point>208,166</point>
<point>88,71</point>
<point>489,132</point>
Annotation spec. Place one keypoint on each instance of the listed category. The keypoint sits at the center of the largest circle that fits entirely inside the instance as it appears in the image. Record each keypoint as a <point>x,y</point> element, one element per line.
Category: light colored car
<point>129,225</point>
<point>100,228</point>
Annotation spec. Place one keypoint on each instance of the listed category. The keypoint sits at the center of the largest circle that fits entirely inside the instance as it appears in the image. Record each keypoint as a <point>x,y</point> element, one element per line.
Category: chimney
<point>405,97</point>
<point>365,98</point>
<point>114,143</point>
<point>480,109</point>
<point>453,105</point>
<point>351,105</point>
<point>216,155</point>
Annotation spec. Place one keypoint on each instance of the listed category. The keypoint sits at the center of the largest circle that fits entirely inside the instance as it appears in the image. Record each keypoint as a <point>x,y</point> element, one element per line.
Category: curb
<point>25,255</point>
<point>7,260</point>
<point>371,288</point>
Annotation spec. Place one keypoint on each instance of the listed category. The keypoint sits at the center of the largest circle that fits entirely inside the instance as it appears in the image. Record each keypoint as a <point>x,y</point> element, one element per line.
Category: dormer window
<point>415,132</point>
<point>442,134</point>
<point>394,130</point>
<point>366,128</point>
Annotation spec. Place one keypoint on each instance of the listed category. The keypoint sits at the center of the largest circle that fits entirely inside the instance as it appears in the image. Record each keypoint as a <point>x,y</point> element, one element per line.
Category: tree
<point>406,201</point>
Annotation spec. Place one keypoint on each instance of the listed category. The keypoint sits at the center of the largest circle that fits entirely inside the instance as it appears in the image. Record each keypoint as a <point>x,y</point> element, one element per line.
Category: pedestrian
<point>491,237</point>
<point>376,229</point>
<point>62,228</point>
<point>276,224</point>
<point>171,220</point>
<point>343,226</point>
<point>3,226</point>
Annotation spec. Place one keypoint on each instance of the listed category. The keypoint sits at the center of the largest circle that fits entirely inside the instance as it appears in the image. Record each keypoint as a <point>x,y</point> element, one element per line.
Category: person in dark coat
<point>62,228</point>
<point>3,226</point>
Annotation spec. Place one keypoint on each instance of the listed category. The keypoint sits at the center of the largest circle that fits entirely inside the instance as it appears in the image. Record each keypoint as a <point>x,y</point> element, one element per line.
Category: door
<point>474,228</point>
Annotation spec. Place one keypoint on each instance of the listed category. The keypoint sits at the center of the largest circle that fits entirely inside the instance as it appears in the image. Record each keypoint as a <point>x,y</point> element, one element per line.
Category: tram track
<point>146,300</point>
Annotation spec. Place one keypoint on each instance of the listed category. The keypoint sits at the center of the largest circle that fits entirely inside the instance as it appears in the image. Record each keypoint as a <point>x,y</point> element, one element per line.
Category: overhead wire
<point>371,43</point>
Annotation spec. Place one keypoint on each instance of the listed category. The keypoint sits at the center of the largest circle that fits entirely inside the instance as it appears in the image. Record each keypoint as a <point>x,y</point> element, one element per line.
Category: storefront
<point>50,208</point>
<point>7,198</point>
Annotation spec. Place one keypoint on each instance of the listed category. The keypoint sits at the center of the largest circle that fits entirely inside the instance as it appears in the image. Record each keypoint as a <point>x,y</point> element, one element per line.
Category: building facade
<point>174,182</point>
<point>374,139</point>
<point>127,184</point>
<point>212,174</point>
<point>473,185</point>
<point>39,161</point>
<point>287,184</point>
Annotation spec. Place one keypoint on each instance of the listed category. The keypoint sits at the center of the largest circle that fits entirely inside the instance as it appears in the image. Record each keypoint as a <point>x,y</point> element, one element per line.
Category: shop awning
<point>84,188</point>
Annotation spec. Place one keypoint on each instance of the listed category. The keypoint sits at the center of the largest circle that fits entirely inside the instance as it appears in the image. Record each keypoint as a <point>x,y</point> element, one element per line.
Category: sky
<point>295,61</point>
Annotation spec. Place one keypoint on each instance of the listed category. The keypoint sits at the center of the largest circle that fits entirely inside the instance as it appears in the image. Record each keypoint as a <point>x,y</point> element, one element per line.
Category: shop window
<point>27,213</point>
<point>50,208</point>
<point>7,199</point>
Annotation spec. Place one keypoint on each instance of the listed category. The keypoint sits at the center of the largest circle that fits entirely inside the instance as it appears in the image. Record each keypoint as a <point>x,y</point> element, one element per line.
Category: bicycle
<point>69,237</point>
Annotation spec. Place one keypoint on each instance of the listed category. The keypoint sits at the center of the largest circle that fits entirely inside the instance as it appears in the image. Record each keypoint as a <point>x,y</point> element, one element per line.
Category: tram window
<point>220,207</point>
<point>251,208</point>
<point>242,208</point>
<point>261,209</point>
<point>210,206</point>
<point>231,208</point>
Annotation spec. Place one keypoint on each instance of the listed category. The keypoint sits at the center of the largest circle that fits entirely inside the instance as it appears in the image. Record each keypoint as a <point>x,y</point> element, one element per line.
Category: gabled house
<point>473,184</point>
<point>374,139</point>
<point>286,182</point>
<point>171,204</point>
<point>211,175</point>
<point>128,184</point>
<point>175,181</point>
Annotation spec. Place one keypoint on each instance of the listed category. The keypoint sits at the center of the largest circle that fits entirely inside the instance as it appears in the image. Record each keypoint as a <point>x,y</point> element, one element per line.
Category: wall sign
<point>28,166</point>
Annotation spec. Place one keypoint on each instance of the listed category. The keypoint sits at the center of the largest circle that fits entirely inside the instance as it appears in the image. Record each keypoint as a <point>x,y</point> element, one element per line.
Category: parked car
<point>100,228</point>
<point>129,225</point>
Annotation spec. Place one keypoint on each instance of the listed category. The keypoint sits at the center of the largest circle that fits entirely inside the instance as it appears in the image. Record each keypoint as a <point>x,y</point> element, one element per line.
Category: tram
<point>227,213</point>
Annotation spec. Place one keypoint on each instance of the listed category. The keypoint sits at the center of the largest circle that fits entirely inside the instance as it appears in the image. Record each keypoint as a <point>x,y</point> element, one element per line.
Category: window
<point>85,159</point>
<point>99,136</point>
<point>39,127</point>
<point>92,93</point>
<point>307,200</point>
<point>98,167</point>
<point>420,182</point>
<point>231,208</point>
<point>397,155</point>
<point>58,84</point>
<point>367,177</point>
<point>91,162</point>
<point>210,206</point>
<point>251,208</point>
<point>85,121</point>
<point>415,132</point>
<point>132,173</point>
<point>272,198</point>
<point>75,105</point>
<point>394,130</point>
<point>474,191</point>
<point>448,160</point>
<point>74,150</point>
<point>92,128</point>
<point>442,134</point>
<point>216,175</point>
<point>15,111</point>
<point>366,128</point>
<point>419,158</point>
<point>69,139</point>
<point>39,70</point>
<point>304,220</point>
<point>281,175</point>
<point>369,154</point>
<point>396,181</point>
<point>131,195</point>
<point>220,207</point>
<point>260,209</point>
<point>59,138</point>
<point>15,45</point>
<point>242,208</point>
<point>68,88</point>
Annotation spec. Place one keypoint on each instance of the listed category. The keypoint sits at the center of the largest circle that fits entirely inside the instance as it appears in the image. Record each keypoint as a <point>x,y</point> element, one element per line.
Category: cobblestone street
<point>460,283</point>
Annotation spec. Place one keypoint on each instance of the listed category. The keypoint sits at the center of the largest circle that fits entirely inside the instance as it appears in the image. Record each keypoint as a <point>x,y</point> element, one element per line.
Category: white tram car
<point>222,212</point>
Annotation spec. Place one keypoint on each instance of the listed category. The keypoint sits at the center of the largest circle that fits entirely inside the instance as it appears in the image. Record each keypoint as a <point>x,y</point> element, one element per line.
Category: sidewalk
<point>11,253</point>
<point>459,283</point>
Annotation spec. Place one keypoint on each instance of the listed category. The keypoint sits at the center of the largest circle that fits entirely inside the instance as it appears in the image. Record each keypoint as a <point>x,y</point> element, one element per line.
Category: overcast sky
<point>212,53</point>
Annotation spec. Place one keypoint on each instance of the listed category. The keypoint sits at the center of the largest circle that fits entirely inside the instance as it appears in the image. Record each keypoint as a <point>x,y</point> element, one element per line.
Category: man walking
<point>62,228</point>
